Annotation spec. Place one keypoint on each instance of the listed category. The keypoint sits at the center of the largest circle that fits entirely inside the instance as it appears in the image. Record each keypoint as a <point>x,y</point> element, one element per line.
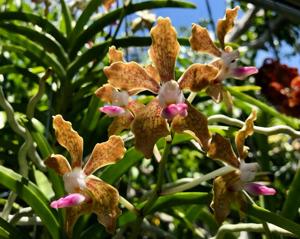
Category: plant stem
<point>191,97</point>
<point>249,227</point>
<point>292,201</point>
<point>267,109</point>
<point>197,181</point>
<point>35,99</point>
<point>157,191</point>
<point>280,129</point>
<point>8,205</point>
<point>128,205</point>
<point>273,218</point>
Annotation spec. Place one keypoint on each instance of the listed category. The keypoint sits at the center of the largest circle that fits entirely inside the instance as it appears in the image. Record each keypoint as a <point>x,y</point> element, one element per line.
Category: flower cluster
<point>281,85</point>
<point>167,113</point>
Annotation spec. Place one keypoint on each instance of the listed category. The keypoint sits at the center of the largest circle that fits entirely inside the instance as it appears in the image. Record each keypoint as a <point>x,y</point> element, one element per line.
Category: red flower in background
<point>281,85</point>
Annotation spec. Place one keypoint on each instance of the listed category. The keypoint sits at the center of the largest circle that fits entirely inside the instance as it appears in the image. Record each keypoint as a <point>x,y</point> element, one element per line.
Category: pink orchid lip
<point>71,200</point>
<point>243,72</point>
<point>172,110</point>
<point>112,110</point>
<point>259,189</point>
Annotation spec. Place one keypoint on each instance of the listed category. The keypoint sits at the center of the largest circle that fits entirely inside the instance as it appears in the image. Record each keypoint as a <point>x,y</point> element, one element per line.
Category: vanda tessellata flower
<point>226,61</point>
<point>228,188</point>
<point>150,122</point>
<point>86,193</point>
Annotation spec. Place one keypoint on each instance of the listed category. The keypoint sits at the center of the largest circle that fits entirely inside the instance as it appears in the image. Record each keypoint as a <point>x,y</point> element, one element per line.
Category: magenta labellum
<point>71,200</point>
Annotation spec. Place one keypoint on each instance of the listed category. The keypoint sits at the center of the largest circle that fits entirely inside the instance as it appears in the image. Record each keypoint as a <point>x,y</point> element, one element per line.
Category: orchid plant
<point>149,127</point>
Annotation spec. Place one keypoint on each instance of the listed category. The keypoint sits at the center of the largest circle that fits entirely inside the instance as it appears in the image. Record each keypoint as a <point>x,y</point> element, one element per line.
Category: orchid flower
<point>86,193</point>
<point>226,63</point>
<point>228,188</point>
<point>121,106</point>
<point>151,122</point>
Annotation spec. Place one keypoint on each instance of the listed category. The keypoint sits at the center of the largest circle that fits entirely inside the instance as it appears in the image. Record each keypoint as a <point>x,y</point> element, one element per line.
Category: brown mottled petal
<point>226,24</point>
<point>243,133</point>
<point>219,63</point>
<point>215,91</point>
<point>59,163</point>
<point>73,213</point>
<point>198,77</point>
<point>105,93</point>
<point>227,99</point>
<point>135,107</point>
<point>106,153</point>
<point>220,149</point>
<point>223,195</point>
<point>201,41</point>
<point>164,49</point>
<point>114,55</point>
<point>130,76</point>
<point>221,200</point>
<point>148,126</point>
<point>105,202</point>
<point>69,139</point>
<point>120,123</point>
<point>195,124</point>
<point>153,72</point>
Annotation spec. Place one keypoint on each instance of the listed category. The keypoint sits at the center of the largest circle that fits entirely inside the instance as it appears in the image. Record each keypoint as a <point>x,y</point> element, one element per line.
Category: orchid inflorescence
<point>167,113</point>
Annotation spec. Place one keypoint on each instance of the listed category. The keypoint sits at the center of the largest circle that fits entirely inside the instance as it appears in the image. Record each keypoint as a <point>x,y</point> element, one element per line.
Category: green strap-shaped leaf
<point>47,43</point>
<point>169,201</point>
<point>293,122</point>
<point>9,231</point>
<point>66,16</point>
<point>37,54</point>
<point>97,52</point>
<point>179,199</point>
<point>6,69</point>
<point>267,216</point>
<point>78,38</point>
<point>112,173</point>
<point>35,20</point>
<point>31,194</point>
<point>85,17</point>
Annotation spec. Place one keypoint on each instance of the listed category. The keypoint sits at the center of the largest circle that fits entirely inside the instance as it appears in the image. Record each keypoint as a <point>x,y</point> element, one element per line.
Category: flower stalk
<point>160,179</point>
<point>219,172</point>
<point>279,129</point>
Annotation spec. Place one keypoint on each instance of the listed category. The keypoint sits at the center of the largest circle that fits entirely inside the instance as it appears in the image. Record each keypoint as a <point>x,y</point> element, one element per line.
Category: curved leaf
<point>67,16</point>
<point>114,172</point>
<point>47,43</point>
<point>267,216</point>
<point>37,54</point>
<point>9,231</point>
<point>6,69</point>
<point>78,39</point>
<point>293,122</point>
<point>36,20</point>
<point>31,194</point>
<point>179,199</point>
